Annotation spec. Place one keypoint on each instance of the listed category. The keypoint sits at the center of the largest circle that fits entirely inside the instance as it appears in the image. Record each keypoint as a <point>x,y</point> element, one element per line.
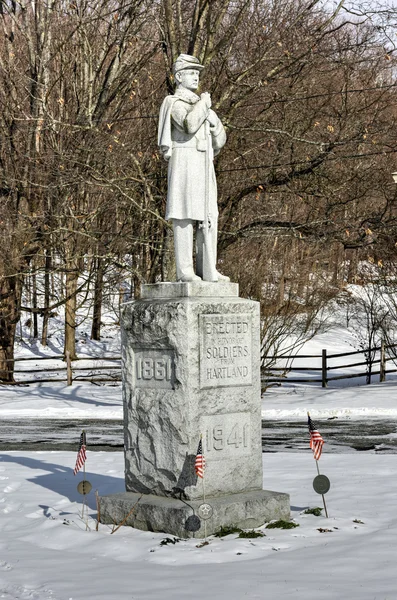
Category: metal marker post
<point>84,487</point>
<point>321,483</point>
<point>203,459</point>
<point>205,511</point>
<point>325,506</point>
<point>205,522</point>
<point>82,512</point>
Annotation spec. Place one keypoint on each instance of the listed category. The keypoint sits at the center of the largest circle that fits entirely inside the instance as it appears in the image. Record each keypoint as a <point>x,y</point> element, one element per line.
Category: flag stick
<point>82,511</point>
<point>318,471</point>
<point>205,521</point>
<point>325,506</point>
<point>84,502</point>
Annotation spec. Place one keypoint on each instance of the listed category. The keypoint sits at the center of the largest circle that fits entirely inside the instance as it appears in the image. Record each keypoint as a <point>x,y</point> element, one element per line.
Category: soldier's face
<point>189,78</point>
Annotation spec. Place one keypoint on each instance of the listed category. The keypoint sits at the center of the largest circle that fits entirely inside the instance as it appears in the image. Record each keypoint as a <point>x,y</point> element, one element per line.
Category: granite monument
<point>191,359</point>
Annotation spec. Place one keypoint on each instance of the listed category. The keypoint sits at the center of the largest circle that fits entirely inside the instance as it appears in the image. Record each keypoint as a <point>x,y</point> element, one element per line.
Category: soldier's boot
<point>213,235</point>
<point>183,244</point>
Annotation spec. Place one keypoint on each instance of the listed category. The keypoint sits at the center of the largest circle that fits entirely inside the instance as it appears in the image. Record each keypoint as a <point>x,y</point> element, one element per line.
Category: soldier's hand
<point>212,118</point>
<point>207,99</point>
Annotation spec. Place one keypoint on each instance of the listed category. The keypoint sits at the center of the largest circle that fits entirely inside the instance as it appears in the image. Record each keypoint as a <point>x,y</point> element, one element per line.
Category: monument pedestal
<point>184,519</point>
<point>191,368</point>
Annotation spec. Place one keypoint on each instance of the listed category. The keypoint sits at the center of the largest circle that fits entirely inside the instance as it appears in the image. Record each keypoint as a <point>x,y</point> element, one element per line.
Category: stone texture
<point>197,289</point>
<point>191,367</point>
<point>172,516</point>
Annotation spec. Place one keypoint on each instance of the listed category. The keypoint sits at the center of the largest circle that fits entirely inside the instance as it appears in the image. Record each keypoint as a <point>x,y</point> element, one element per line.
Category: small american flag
<point>81,455</point>
<point>316,441</point>
<point>199,464</point>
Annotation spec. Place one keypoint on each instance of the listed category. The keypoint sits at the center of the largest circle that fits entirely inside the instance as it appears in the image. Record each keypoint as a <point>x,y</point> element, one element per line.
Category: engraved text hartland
<point>225,350</point>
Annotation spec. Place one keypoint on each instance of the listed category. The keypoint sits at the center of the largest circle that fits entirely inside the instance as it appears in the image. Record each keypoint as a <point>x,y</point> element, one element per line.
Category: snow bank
<point>47,552</point>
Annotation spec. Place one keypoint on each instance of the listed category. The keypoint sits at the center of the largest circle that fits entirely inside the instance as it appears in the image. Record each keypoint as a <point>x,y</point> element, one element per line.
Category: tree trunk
<point>352,270</point>
<point>70,312</point>
<point>46,316</point>
<point>34,305</point>
<point>369,365</point>
<point>98,295</point>
<point>10,313</point>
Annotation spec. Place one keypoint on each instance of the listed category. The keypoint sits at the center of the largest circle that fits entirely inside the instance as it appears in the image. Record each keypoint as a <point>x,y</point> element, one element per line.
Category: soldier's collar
<point>187,95</point>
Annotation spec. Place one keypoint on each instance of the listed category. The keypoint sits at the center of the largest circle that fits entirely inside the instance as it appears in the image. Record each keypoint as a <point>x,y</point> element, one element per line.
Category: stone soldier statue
<point>190,134</point>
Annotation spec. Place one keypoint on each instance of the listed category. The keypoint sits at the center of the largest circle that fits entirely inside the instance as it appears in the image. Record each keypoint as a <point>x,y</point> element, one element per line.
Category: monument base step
<point>188,289</point>
<point>187,519</point>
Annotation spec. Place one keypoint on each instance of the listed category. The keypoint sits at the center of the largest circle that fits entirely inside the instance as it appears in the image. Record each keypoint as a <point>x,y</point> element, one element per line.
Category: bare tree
<point>307,97</point>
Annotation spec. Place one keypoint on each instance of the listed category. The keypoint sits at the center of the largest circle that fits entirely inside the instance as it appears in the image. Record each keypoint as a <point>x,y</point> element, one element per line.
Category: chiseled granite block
<point>182,289</point>
<point>191,368</point>
<point>170,515</point>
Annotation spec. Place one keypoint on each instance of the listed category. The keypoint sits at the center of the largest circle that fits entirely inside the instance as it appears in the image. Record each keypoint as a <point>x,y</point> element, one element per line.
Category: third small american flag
<point>81,455</point>
<point>199,463</point>
<point>316,441</point>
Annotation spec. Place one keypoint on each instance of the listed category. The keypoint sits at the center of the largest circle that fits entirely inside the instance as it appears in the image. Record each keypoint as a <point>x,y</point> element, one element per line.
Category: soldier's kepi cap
<point>185,61</point>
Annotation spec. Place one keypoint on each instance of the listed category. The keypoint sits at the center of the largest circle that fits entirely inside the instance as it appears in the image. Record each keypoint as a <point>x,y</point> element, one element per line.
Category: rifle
<point>205,254</point>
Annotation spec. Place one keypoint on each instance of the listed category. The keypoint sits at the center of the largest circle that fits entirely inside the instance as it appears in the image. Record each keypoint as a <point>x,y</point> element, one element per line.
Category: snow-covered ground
<point>59,401</point>
<point>50,551</point>
<point>295,400</point>
<point>87,401</point>
<point>47,552</point>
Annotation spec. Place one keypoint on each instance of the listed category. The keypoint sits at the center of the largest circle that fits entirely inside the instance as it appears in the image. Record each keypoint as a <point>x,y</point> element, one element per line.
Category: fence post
<point>324,383</point>
<point>69,373</point>
<point>382,370</point>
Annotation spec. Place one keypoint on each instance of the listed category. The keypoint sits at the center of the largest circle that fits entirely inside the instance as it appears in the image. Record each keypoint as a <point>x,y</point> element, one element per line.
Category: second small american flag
<point>199,463</point>
<point>81,455</point>
<point>316,441</point>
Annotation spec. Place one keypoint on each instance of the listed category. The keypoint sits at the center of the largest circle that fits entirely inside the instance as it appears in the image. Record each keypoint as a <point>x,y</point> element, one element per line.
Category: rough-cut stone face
<point>156,513</point>
<point>191,368</point>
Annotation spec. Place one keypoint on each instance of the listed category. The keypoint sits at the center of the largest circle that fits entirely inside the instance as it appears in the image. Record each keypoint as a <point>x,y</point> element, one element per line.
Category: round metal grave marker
<point>84,487</point>
<point>205,511</point>
<point>193,523</point>
<point>321,484</point>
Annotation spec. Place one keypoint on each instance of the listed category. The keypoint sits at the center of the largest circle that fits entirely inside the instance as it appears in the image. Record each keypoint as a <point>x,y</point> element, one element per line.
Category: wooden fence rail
<point>324,358</point>
<point>69,370</point>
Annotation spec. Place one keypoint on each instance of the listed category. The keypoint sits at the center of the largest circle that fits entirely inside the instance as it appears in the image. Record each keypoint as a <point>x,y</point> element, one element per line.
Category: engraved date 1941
<point>229,438</point>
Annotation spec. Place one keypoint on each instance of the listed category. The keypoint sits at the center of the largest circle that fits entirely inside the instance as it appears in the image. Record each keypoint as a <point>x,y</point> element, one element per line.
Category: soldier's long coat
<point>182,141</point>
